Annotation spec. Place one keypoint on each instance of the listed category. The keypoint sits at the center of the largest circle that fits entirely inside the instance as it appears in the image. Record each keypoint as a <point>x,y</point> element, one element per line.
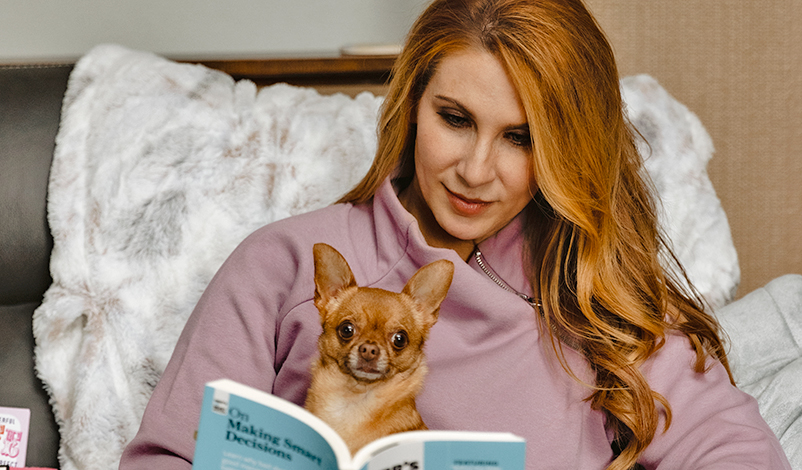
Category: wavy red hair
<point>593,245</point>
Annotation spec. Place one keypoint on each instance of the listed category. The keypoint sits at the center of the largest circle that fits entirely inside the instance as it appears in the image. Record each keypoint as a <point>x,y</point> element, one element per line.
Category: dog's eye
<point>400,340</point>
<point>346,330</point>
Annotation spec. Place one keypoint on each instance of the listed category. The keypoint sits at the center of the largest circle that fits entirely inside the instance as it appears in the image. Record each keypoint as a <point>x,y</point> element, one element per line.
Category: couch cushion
<point>19,386</point>
<point>30,108</point>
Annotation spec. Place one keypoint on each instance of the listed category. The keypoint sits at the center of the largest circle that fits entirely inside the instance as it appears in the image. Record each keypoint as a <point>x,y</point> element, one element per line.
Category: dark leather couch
<point>30,107</point>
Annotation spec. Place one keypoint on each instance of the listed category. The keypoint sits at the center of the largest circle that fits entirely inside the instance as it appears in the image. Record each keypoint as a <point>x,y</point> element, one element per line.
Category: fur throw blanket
<point>161,169</point>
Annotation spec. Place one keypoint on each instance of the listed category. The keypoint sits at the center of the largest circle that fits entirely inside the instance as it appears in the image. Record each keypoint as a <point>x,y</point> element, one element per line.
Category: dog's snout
<point>368,351</point>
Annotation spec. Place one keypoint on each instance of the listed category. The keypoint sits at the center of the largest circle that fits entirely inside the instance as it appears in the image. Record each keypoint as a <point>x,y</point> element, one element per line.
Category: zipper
<point>534,303</point>
<point>477,255</point>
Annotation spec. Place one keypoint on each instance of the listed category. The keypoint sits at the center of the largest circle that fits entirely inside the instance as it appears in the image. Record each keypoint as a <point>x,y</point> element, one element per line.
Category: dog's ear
<point>429,286</point>
<point>332,273</point>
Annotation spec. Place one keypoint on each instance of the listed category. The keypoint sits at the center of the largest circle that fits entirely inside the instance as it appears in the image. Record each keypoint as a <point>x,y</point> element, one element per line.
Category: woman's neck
<point>412,200</point>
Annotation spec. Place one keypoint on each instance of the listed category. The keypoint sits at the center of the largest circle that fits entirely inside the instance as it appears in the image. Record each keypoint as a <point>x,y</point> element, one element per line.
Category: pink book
<point>14,426</point>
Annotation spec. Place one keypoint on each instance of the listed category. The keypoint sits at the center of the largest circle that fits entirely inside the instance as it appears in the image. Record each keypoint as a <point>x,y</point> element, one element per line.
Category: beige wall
<point>37,30</point>
<point>737,64</point>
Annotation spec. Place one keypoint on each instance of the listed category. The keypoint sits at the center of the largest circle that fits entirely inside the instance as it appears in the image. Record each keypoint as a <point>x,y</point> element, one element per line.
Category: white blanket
<point>765,331</point>
<point>162,168</point>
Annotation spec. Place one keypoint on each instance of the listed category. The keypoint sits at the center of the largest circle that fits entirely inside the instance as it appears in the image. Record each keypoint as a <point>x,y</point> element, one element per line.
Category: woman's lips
<point>466,206</point>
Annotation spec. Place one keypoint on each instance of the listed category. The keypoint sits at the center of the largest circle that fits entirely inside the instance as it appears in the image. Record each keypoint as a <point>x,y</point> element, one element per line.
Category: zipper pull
<point>477,255</point>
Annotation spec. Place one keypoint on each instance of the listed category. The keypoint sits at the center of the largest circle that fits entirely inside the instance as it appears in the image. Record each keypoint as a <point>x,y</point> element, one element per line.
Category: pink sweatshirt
<point>490,367</point>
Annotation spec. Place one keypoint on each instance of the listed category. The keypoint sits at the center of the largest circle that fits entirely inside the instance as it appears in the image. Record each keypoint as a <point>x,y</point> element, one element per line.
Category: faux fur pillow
<point>161,169</point>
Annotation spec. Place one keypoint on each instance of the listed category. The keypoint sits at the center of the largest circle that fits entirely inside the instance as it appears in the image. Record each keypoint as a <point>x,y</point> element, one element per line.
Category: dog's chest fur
<point>362,412</point>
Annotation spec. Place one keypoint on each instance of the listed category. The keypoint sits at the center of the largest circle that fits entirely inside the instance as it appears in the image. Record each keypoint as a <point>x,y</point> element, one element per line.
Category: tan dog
<point>371,364</point>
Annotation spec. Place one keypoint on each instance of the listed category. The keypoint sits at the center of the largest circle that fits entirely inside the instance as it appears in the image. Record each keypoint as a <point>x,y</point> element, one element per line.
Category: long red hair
<point>593,246</point>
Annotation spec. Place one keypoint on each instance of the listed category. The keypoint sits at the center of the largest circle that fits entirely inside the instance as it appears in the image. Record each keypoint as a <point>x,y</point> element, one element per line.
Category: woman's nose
<point>476,165</point>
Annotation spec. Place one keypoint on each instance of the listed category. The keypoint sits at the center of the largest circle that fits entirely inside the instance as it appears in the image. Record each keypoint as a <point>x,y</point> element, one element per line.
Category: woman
<point>503,147</point>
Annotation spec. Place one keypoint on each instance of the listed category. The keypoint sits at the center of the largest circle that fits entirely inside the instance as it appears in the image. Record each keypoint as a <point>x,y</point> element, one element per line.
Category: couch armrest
<point>20,387</point>
<point>30,110</point>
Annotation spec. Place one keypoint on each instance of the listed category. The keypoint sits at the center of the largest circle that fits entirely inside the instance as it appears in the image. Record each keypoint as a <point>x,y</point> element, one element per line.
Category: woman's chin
<point>465,232</point>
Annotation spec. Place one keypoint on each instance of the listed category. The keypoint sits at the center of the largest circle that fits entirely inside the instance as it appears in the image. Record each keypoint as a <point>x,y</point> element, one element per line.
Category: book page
<point>405,456</point>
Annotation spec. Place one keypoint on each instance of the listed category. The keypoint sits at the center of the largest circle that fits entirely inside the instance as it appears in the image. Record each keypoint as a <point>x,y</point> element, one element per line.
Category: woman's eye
<point>346,330</point>
<point>400,340</point>
<point>454,120</point>
<point>520,139</point>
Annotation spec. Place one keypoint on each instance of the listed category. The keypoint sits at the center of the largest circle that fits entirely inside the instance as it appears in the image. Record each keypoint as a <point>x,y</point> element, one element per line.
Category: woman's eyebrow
<point>515,127</point>
<point>520,127</point>
<point>454,103</point>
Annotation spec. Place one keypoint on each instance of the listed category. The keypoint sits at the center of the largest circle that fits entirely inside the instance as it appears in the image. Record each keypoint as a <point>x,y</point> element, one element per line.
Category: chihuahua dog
<point>371,363</point>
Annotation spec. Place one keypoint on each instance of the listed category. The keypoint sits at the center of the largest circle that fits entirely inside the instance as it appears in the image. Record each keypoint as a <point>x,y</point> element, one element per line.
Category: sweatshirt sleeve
<point>714,425</point>
<point>230,334</point>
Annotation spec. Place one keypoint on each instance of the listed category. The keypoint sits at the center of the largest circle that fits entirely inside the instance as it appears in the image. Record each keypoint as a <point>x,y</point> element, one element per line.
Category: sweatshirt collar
<point>503,252</point>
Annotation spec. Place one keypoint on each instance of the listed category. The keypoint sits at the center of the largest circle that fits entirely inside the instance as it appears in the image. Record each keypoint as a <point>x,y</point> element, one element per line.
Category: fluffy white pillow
<point>676,151</point>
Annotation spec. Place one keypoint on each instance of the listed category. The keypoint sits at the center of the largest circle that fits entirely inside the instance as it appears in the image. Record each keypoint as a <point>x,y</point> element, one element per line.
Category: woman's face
<point>472,152</point>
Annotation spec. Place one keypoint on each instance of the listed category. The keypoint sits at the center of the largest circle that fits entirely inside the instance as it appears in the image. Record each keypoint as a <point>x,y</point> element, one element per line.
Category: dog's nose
<point>369,351</point>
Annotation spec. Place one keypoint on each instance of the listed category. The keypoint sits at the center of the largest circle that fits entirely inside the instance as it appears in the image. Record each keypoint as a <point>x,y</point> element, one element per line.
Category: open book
<point>242,428</point>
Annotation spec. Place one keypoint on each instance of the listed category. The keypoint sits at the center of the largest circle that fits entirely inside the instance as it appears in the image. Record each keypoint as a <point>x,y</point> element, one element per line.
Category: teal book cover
<point>242,428</point>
